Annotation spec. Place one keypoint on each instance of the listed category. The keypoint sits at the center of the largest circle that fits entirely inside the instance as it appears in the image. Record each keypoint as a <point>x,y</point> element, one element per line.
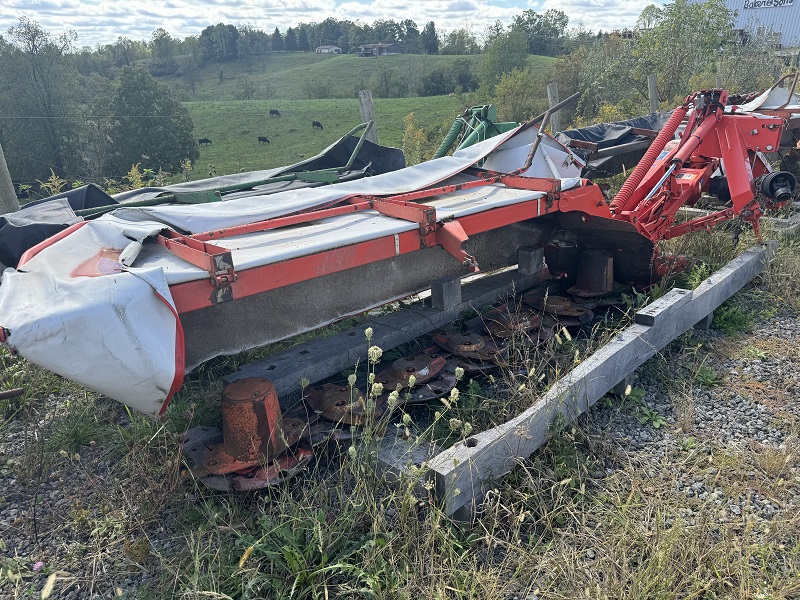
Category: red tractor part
<point>254,434</point>
<point>720,153</point>
<point>664,136</point>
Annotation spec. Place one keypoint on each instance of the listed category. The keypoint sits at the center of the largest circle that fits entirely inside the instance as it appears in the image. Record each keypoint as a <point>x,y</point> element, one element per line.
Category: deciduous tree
<point>460,41</point>
<point>681,43</point>
<point>147,124</point>
<point>410,42</point>
<point>217,43</point>
<point>544,32</point>
<point>520,95</point>
<point>39,100</point>
<point>162,45</point>
<point>504,54</point>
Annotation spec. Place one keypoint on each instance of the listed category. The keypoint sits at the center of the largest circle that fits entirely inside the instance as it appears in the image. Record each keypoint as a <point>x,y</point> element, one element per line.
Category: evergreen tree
<point>277,41</point>
<point>429,39</point>
<point>302,40</point>
<point>291,40</point>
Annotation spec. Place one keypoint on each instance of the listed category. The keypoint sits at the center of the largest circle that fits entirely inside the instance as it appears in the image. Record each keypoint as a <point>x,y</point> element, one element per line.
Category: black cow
<point>204,142</point>
<point>274,112</point>
<point>262,140</point>
<point>316,124</point>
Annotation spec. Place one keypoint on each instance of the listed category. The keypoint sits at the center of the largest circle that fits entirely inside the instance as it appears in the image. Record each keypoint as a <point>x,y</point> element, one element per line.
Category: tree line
<point>546,34</point>
<point>53,120</point>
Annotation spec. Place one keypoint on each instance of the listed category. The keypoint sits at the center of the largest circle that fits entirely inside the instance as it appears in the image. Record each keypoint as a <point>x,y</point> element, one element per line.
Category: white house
<point>328,50</point>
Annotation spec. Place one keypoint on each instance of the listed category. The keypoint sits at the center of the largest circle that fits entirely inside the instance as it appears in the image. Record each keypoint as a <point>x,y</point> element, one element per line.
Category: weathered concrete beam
<point>461,471</point>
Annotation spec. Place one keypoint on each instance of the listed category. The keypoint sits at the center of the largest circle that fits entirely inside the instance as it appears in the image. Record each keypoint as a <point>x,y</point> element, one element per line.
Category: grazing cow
<point>316,124</point>
<point>204,142</point>
<point>262,140</point>
<point>274,112</point>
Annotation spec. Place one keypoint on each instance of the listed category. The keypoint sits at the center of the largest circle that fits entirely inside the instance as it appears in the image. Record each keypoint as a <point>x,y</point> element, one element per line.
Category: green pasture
<point>234,127</point>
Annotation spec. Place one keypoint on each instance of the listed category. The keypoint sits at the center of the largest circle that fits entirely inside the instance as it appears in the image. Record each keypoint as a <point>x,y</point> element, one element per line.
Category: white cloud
<point>606,15</point>
<point>102,21</point>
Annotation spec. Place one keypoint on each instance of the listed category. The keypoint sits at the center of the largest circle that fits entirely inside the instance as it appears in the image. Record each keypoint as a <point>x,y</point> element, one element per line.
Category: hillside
<point>305,87</point>
<point>292,75</point>
<point>234,126</point>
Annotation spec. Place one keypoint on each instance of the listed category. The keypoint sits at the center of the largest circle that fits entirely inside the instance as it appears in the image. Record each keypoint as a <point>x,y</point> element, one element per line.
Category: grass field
<point>291,75</point>
<point>233,128</point>
<point>630,502</point>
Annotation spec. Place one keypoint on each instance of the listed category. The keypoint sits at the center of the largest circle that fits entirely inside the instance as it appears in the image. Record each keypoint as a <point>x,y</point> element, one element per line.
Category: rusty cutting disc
<point>558,305</point>
<point>466,342</point>
<point>341,403</point>
<point>200,440</point>
<point>327,431</point>
<point>471,367</point>
<point>508,319</point>
<point>436,388</point>
<point>470,345</point>
<point>424,366</point>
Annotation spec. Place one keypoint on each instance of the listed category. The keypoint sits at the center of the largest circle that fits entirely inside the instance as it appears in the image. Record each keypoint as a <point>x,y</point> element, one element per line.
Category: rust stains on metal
<point>342,404</point>
<point>250,420</point>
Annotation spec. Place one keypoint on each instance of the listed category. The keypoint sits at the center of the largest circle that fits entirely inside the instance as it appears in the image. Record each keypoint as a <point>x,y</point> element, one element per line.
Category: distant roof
<point>318,47</point>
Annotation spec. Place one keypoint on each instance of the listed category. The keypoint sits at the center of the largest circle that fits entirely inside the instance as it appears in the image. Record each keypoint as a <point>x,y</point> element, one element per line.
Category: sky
<point>102,21</point>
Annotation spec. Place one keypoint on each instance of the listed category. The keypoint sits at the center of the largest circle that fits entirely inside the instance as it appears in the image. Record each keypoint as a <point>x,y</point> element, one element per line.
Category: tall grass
<point>582,518</point>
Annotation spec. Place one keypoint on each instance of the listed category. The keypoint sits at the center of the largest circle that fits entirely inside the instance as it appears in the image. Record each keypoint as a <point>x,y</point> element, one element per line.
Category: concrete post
<point>368,114</point>
<point>8,198</point>
<point>652,92</point>
<point>552,99</point>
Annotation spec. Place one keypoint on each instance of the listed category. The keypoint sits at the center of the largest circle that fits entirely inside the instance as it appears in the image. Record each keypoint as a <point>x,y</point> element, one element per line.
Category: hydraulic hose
<point>449,139</point>
<point>620,201</point>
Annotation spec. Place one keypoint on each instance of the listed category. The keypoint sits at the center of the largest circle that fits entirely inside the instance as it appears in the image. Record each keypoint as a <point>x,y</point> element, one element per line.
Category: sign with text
<point>767,3</point>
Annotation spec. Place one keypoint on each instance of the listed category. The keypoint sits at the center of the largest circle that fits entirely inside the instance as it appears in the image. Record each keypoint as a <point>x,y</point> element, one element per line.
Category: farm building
<point>378,49</point>
<point>328,50</point>
<point>760,17</point>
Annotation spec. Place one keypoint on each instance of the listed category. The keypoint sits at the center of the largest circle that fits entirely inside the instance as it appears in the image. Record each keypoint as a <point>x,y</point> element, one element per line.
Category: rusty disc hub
<point>250,416</point>
<point>595,274</point>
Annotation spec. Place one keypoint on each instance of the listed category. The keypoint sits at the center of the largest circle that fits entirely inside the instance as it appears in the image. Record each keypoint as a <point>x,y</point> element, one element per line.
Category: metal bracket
<point>214,259</point>
<point>450,236</point>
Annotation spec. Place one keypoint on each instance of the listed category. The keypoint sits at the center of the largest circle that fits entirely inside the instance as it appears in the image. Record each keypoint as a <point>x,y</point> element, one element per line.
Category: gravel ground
<point>56,517</point>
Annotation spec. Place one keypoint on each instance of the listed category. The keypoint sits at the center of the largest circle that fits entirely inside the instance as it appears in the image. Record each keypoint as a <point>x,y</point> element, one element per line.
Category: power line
<point>98,117</point>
